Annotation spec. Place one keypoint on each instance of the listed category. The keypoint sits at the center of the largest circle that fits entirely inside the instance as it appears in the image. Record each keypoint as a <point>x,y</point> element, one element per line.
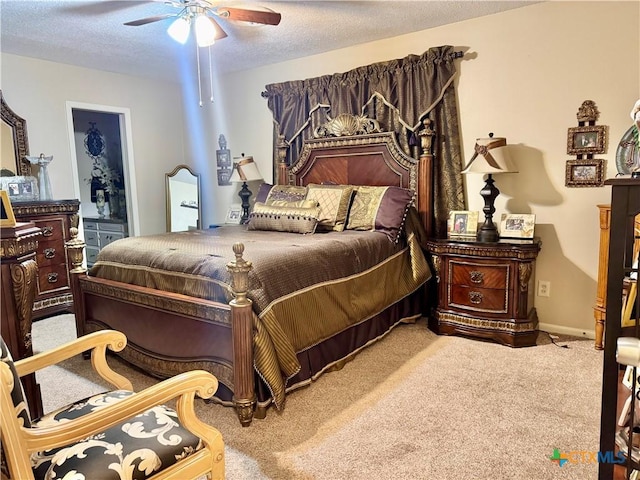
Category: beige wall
<point>525,74</point>
<point>39,91</point>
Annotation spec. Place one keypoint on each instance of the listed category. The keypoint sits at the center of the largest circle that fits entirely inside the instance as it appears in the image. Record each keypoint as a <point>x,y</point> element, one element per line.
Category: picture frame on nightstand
<point>462,223</point>
<point>234,214</point>
<point>517,225</point>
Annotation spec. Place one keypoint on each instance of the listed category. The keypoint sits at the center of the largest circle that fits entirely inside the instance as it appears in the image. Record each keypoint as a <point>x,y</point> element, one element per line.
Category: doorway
<point>103,170</point>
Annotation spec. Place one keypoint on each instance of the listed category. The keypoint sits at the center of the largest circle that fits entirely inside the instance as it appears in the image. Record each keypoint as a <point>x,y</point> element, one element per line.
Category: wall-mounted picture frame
<point>7,218</point>
<point>517,225</point>
<point>234,214</point>
<point>20,188</point>
<point>584,173</point>
<point>462,223</point>
<point>586,139</point>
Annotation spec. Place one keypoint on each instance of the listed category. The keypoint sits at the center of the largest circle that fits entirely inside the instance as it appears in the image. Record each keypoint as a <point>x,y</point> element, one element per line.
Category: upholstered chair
<point>114,435</point>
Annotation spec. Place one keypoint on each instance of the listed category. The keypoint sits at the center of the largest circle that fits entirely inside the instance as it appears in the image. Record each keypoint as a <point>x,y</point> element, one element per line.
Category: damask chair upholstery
<point>116,435</point>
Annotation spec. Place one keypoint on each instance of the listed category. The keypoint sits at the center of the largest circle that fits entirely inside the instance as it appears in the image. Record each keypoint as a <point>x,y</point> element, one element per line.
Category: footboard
<point>169,333</point>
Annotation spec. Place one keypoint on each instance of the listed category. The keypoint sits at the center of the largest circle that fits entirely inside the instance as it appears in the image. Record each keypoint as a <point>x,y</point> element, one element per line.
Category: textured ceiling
<point>91,33</point>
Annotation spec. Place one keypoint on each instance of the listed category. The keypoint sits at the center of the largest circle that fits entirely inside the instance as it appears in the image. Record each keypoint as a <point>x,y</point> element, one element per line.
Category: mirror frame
<point>169,176</point>
<point>20,141</point>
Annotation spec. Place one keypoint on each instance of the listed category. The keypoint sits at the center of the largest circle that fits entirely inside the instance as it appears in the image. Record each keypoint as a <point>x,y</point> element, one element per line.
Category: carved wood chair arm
<point>97,342</point>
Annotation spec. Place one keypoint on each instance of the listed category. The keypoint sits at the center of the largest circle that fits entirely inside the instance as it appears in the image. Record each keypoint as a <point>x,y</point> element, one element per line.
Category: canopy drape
<point>399,94</point>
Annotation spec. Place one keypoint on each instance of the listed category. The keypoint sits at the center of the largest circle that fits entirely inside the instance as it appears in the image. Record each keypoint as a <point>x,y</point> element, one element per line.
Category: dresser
<point>55,218</point>
<point>485,289</point>
<point>18,275</point>
<point>100,232</point>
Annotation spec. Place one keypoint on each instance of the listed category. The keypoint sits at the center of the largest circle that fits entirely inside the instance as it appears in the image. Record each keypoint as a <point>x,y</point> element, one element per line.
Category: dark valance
<point>399,94</point>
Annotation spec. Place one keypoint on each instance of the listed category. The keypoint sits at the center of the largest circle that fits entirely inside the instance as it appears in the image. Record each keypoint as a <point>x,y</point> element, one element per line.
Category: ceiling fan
<point>202,13</point>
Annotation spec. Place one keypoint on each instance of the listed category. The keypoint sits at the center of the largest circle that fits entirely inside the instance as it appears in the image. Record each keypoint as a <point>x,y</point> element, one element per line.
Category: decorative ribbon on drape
<point>398,94</point>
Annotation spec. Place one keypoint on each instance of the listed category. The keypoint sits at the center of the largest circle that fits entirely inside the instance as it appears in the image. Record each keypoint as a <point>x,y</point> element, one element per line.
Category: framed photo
<point>584,173</point>
<point>517,225</point>
<point>20,189</point>
<point>234,214</point>
<point>7,218</point>
<point>462,223</point>
<point>584,140</point>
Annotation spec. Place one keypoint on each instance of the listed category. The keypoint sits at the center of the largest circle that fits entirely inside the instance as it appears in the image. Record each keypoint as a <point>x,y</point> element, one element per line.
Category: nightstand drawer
<point>52,228</point>
<point>53,277</point>
<point>478,299</point>
<point>478,275</point>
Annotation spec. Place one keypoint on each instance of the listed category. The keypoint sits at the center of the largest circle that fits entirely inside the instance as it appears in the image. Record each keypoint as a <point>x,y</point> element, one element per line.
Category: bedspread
<point>304,288</point>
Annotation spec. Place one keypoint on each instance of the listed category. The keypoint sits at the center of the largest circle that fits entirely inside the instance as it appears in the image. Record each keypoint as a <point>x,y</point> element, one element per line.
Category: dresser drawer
<point>50,252</point>
<point>91,238</point>
<point>478,274</point>
<point>105,238</point>
<point>52,277</point>
<point>488,300</point>
<point>92,255</point>
<point>52,228</point>
<point>112,227</point>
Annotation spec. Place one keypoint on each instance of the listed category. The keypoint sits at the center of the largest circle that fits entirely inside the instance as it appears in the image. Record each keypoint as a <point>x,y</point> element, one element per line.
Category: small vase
<point>100,202</point>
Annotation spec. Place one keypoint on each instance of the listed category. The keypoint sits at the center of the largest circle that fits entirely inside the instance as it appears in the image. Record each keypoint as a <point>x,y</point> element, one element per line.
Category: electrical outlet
<point>544,288</point>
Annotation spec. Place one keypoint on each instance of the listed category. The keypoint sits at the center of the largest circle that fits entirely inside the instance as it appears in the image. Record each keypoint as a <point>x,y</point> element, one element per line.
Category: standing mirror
<point>14,143</point>
<point>183,199</point>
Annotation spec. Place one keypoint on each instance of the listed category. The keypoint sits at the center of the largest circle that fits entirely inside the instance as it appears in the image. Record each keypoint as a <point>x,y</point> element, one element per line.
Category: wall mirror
<point>183,199</point>
<point>14,143</point>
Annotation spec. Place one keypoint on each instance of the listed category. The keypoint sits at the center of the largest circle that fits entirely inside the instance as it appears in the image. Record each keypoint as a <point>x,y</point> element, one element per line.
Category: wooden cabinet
<point>622,268</point>
<point>55,218</point>
<point>18,272</point>
<point>485,289</point>
<point>100,232</point>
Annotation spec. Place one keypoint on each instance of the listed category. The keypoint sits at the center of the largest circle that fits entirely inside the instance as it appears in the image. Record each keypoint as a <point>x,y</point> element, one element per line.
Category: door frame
<point>128,163</point>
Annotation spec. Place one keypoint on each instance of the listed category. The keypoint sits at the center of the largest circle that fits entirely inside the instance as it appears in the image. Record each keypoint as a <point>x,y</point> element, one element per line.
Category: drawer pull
<point>52,277</point>
<point>49,252</point>
<point>475,297</point>
<point>47,231</point>
<point>476,276</point>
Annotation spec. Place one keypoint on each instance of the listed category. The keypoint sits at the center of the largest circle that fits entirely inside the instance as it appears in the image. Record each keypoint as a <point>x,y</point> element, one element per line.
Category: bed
<point>298,304</point>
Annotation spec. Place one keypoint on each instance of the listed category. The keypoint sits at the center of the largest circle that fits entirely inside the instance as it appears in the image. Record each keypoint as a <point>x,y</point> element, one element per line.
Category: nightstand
<point>485,290</point>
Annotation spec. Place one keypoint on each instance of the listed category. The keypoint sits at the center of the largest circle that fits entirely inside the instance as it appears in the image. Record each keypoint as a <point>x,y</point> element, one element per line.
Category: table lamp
<point>491,156</point>
<point>245,170</point>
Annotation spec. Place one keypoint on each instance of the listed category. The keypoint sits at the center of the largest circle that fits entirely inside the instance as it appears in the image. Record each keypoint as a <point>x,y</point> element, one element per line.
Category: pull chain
<point>210,75</point>
<point>199,81</point>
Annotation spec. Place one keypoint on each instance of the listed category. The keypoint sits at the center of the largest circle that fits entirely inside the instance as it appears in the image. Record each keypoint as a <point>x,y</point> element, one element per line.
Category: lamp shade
<point>245,170</point>
<point>205,31</point>
<point>179,29</point>
<point>491,155</point>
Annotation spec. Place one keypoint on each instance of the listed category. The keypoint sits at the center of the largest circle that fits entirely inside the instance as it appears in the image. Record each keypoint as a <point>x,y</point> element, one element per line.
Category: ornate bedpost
<point>244,397</point>
<point>283,169</point>
<point>425,196</point>
<point>75,251</point>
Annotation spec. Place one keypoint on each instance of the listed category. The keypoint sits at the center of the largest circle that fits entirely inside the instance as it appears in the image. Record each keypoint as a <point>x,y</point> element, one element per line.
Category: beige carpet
<point>412,406</point>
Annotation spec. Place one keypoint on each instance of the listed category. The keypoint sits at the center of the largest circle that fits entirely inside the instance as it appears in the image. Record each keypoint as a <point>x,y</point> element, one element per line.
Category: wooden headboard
<point>361,156</point>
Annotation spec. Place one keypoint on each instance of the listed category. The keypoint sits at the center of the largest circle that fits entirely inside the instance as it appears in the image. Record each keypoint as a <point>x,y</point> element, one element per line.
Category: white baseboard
<point>576,332</point>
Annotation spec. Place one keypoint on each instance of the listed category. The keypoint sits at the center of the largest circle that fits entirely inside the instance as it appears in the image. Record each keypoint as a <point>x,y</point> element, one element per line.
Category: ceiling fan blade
<point>220,33</point>
<point>254,16</point>
<point>144,21</point>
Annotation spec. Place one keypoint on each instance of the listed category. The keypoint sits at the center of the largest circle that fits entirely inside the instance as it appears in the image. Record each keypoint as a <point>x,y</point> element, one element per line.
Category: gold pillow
<point>297,204</point>
<point>283,218</point>
<point>285,193</point>
<point>334,203</point>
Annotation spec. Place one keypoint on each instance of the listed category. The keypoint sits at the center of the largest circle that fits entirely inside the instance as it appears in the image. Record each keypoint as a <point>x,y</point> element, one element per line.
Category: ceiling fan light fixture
<point>179,29</point>
<point>205,31</point>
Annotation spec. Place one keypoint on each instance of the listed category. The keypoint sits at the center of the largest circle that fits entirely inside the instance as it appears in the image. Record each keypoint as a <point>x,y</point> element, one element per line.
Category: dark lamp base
<point>488,234</point>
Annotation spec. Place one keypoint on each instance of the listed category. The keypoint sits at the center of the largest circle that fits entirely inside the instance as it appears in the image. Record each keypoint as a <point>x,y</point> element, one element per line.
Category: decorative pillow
<point>297,204</point>
<point>334,203</point>
<point>283,218</point>
<point>288,193</point>
<point>380,208</point>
